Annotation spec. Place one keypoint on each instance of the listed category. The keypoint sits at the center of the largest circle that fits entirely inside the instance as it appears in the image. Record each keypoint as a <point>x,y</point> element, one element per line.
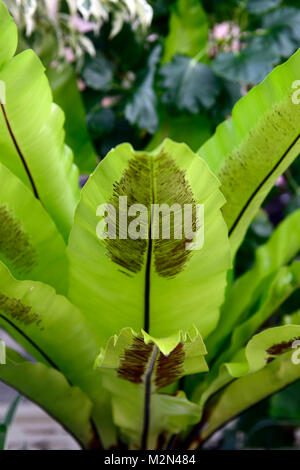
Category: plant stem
<point>146,426</point>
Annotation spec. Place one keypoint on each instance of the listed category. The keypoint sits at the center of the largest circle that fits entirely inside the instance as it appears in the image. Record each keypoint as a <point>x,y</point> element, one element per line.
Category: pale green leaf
<point>169,414</point>
<point>50,389</point>
<point>56,334</point>
<point>8,36</point>
<point>280,249</point>
<point>32,137</point>
<point>67,95</point>
<point>284,284</point>
<point>30,244</point>
<point>245,392</point>
<point>182,290</point>
<point>129,355</point>
<point>252,149</point>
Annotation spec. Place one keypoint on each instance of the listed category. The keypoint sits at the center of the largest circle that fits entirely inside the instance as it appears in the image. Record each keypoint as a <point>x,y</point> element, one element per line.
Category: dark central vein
<point>148,265</point>
<point>19,152</point>
<point>148,377</point>
<point>262,184</point>
<point>36,347</point>
<point>54,366</point>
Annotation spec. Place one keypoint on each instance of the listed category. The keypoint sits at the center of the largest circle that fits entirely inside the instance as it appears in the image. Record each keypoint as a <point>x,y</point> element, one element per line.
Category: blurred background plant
<point>137,71</point>
<point>6,423</point>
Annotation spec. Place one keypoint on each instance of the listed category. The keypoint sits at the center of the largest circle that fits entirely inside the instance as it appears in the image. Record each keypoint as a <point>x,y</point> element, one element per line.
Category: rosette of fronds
<point>139,341</point>
<point>67,23</point>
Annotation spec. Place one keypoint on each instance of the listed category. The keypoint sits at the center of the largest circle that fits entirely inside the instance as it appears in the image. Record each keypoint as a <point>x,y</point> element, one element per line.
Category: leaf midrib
<point>19,152</point>
<point>149,255</point>
<point>263,182</point>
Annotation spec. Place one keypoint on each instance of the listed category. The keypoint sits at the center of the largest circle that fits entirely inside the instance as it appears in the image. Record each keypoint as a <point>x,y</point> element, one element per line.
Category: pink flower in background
<point>69,54</point>
<point>81,25</point>
<point>229,34</point>
<point>281,182</point>
<point>221,31</point>
<point>81,85</point>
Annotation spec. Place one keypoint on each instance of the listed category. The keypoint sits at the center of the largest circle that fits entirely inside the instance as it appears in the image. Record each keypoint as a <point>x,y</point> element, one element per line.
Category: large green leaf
<point>8,36</point>
<point>129,355</point>
<point>50,389</point>
<point>251,388</point>
<point>245,293</point>
<point>56,334</point>
<point>32,137</point>
<point>158,285</point>
<point>260,351</point>
<point>188,30</point>
<point>30,244</point>
<point>150,365</point>
<point>252,149</point>
<point>67,96</point>
<point>169,414</point>
<point>286,281</point>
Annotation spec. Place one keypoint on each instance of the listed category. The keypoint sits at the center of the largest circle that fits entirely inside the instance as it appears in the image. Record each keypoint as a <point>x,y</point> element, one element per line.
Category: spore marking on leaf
<point>172,187</point>
<point>170,368</point>
<point>135,185</point>
<point>18,311</point>
<point>134,361</point>
<point>15,244</point>
<point>153,180</point>
<point>280,348</point>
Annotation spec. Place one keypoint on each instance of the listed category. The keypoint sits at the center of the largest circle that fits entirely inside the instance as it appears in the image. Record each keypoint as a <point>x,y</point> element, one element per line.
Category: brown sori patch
<point>135,184</point>
<point>18,311</point>
<point>172,188</point>
<point>152,180</point>
<point>134,361</point>
<point>15,244</point>
<point>169,368</point>
<point>281,348</point>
